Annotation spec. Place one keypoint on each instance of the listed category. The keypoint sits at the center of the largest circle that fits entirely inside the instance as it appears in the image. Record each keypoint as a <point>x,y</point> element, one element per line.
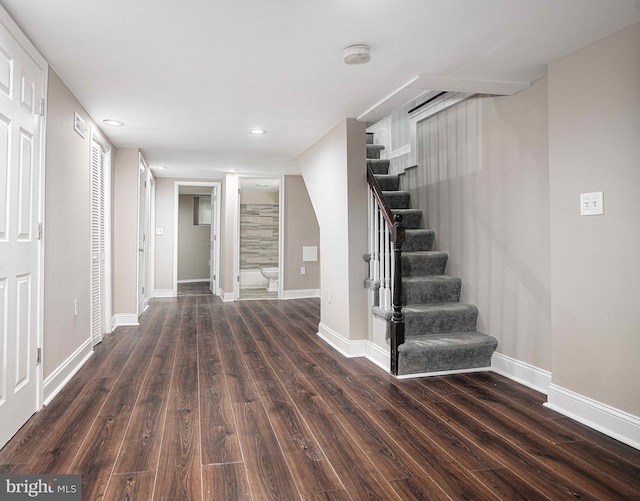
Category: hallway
<point>242,401</point>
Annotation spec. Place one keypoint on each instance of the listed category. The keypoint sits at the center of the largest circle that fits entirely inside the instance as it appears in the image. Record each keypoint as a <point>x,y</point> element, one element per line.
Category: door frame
<point>215,226</point>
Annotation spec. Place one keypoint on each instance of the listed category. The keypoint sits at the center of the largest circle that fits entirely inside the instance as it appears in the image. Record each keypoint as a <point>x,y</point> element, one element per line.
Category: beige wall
<point>67,228</point>
<point>193,243</point>
<point>334,169</point>
<point>594,143</point>
<point>125,234</point>
<point>300,229</point>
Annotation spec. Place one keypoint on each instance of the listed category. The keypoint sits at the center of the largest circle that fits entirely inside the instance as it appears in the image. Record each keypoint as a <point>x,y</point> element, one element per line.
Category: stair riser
<point>411,218</point>
<point>420,323</point>
<point>369,137</point>
<point>397,199</point>
<point>418,240</point>
<point>418,358</point>
<point>426,291</point>
<point>374,150</point>
<point>388,183</point>
<point>378,166</point>
<point>421,265</point>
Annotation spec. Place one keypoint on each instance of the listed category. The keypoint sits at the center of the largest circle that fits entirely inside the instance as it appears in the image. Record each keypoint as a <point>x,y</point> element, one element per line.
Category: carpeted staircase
<point>440,331</point>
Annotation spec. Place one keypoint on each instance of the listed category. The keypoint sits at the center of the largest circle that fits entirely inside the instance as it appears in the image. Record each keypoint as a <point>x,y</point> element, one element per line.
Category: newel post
<point>397,322</point>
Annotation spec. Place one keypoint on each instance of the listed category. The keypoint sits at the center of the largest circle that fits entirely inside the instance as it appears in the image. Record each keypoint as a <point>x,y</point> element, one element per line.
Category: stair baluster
<point>385,263</point>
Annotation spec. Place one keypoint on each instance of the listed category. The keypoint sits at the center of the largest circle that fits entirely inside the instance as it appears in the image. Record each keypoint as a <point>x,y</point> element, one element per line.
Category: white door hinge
<point>39,356</point>
<point>39,231</point>
<point>42,107</point>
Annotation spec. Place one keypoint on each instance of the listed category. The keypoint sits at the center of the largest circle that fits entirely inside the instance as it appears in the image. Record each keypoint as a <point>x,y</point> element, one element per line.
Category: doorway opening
<point>259,238</point>
<point>197,243</point>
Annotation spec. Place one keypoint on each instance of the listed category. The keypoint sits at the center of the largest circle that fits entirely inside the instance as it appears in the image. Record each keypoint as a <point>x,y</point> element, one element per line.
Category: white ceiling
<point>191,77</point>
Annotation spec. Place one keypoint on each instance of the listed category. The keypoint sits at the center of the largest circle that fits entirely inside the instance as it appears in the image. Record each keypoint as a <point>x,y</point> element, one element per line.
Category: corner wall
<point>334,171</point>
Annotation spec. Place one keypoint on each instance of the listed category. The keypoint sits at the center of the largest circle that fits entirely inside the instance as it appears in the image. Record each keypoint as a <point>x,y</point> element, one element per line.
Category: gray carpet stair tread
<point>445,352</point>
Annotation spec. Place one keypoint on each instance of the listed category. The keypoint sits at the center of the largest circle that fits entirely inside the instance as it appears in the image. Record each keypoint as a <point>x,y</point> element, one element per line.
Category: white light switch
<point>591,204</point>
<point>159,231</point>
<point>302,270</point>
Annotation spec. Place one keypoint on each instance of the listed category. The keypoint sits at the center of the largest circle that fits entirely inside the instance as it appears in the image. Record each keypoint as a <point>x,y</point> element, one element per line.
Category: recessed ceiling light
<point>356,54</point>
<point>161,167</point>
<point>112,123</point>
<point>232,170</point>
<point>257,132</point>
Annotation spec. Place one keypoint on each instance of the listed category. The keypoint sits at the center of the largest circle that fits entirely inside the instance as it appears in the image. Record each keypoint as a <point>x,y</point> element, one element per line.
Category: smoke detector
<point>356,54</point>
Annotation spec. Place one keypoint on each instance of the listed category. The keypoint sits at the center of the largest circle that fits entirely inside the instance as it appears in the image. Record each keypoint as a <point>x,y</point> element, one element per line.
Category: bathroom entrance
<point>259,238</point>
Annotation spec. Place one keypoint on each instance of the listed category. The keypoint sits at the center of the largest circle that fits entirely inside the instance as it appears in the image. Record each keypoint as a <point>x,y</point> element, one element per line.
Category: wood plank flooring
<point>242,401</point>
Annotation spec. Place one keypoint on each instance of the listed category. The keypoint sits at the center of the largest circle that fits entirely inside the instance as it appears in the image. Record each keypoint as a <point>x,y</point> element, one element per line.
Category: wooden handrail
<point>397,235</point>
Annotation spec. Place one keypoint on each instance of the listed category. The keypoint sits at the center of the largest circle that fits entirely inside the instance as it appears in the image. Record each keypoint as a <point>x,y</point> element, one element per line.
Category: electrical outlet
<point>75,308</point>
<point>302,270</point>
<point>159,231</point>
<point>591,204</point>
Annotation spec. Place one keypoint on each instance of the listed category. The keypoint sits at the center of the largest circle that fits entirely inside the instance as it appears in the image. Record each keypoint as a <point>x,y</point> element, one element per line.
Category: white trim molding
<point>163,293</point>
<point>125,319</point>
<point>613,422</point>
<point>227,297</point>
<point>378,355</point>
<point>521,372</point>
<point>301,294</point>
<point>66,370</point>
<point>346,347</point>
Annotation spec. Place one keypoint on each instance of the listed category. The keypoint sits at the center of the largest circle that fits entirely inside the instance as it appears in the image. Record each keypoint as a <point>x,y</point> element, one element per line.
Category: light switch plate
<point>591,204</point>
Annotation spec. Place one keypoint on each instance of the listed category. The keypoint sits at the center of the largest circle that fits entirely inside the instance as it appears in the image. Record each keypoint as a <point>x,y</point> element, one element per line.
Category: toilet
<point>271,274</point>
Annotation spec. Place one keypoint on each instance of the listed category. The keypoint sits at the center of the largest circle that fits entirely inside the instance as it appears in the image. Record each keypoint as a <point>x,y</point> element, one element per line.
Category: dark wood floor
<point>242,401</point>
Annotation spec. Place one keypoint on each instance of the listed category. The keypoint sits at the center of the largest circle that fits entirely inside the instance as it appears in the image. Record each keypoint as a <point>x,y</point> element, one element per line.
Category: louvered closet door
<point>98,255</point>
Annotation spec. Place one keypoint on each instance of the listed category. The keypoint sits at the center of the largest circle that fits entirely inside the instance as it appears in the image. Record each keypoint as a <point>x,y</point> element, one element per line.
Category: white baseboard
<point>163,293</point>
<point>345,346</point>
<point>301,294</point>
<point>521,372</point>
<point>125,319</point>
<point>193,280</point>
<point>227,296</point>
<point>613,422</point>
<point>378,355</point>
<point>52,385</point>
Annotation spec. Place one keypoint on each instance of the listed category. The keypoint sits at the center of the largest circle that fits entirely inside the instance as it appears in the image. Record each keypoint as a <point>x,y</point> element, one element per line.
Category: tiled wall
<point>258,235</point>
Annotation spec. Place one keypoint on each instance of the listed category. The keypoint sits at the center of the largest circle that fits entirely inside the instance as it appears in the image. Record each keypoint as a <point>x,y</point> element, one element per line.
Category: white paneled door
<point>22,83</point>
